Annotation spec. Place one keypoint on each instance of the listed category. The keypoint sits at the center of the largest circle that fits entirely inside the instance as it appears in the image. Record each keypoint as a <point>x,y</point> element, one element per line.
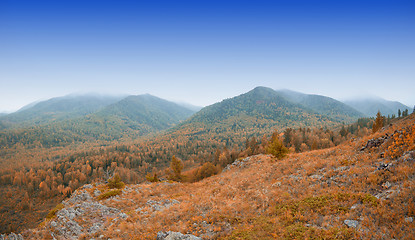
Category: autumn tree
<point>115,182</point>
<point>378,124</point>
<point>275,146</point>
<point>175,171</point>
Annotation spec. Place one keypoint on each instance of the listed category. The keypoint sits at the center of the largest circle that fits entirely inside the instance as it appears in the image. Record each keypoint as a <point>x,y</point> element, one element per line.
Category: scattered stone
<point>374,143</point>
<point>80,196</point>
<point>11,236</point>
<point>87,186</point>
<point>351,223</point>
<point>238,163</point>
<point>354,206</point>
<point>408,156</point>
<point>388,194</point>
<point>385,166</point>
<point>161,205</point>
<point>123,215</point>
<point>97,192</point>
<point>95,228</point>
<point>387,185</point>
<point>316,176</point>
<point>175,236</point>
<point>342,168</point>
<point>409,219</point>
<point>276,184</point>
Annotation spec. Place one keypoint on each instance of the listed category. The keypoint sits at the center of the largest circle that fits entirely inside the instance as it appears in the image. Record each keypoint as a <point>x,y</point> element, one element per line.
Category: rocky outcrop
<point>82,215</point>
<point>374,143</point>
<point>175,236</point>
<point>11,236</point>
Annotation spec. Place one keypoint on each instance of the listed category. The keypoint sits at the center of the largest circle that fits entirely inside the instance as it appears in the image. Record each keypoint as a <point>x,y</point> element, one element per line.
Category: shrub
<point>52,213</point>
<point>207,170</point>
<point>109,194</point>
<point>276,147</point>
<point>115,182</point>
<point>152,177</point>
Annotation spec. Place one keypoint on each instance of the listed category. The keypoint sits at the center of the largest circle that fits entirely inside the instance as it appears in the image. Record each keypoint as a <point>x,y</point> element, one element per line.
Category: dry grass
<point>305,196</point>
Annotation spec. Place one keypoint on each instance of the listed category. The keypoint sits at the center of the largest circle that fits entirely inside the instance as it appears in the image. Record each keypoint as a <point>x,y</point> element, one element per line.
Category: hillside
<point>128,118</point>
<point>259,108</point>
<point>51,161</point>
<point>324,105</point>
<point>148,110</point>
<point>371,106</point>
<point>57,109</point>
<point>363,188</point>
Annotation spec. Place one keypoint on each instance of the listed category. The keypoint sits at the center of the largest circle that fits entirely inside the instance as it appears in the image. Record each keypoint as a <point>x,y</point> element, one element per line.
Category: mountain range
<point>370,106</point>
<point>63,120</point>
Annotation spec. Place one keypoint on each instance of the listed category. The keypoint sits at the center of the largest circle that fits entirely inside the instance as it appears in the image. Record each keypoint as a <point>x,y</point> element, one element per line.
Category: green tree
<point>399,113</point>
<point>115,182</point>
<point>275,146</point>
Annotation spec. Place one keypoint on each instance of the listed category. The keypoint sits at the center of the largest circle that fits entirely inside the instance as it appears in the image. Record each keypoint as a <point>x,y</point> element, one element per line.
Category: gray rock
<point>162,204</point>
<point>123,215</point>
<point>408,156</point>
<point>387,185</point>
<point>276,184</point>
<point>316,176</point>
<point>95,228</point>
<point>351,223</point>
<point>97,192</point>
<point>87,186</point>
<point>176,236</point>
<point>11,236</point>
<point>80,196</point>
<point>409,219</point>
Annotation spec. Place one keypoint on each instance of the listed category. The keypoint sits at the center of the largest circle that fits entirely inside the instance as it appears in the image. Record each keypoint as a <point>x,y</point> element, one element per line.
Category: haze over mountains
<point>88,118</point>
<point>152,113</point>
<point>370,106</point>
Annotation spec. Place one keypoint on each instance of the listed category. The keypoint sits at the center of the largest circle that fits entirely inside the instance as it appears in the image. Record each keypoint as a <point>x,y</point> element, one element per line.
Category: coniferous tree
<point>378,124</point>
<point>175,171</point>
<point>276,147</point>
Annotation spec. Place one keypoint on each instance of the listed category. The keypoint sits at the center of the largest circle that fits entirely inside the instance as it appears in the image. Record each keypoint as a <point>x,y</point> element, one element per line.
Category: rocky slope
<point>363,189</point>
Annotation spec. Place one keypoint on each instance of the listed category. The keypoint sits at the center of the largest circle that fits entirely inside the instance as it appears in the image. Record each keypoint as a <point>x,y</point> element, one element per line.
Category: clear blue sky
<point>201,52</point>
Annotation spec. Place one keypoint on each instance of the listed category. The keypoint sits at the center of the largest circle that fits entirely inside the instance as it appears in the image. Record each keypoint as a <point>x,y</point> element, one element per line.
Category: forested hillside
<point>57,109</point>
<point>361,189</point>
<point>324,105</point>
<point>51,161</point>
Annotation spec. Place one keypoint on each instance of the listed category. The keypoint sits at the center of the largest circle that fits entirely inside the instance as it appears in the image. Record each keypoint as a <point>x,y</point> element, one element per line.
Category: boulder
<point>175,236</point>
<point>351,223</point>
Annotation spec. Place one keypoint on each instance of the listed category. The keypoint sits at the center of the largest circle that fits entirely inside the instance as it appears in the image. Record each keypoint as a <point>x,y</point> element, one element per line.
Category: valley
<point>46,158</point>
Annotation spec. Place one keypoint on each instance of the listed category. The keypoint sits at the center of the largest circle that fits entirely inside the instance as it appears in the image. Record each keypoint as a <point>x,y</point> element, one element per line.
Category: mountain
<point>128,118</point>
<point>370,106</point>
<point>57,109</point>
<point>253,114</point>
<point>323,105</point>
<point>268,108</point>
<point>192,107</point>
<point>144,110</point>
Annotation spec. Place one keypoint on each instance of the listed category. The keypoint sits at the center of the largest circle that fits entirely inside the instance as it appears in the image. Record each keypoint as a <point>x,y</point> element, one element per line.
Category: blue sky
<point>201,52</point>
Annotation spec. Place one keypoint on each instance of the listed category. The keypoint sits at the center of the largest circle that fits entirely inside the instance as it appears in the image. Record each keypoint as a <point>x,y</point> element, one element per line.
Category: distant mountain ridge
<point>128,118</point>
<point>323,105</point>
<point>371,106</point>
<point>57,109</point>
<point>254,113</point>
